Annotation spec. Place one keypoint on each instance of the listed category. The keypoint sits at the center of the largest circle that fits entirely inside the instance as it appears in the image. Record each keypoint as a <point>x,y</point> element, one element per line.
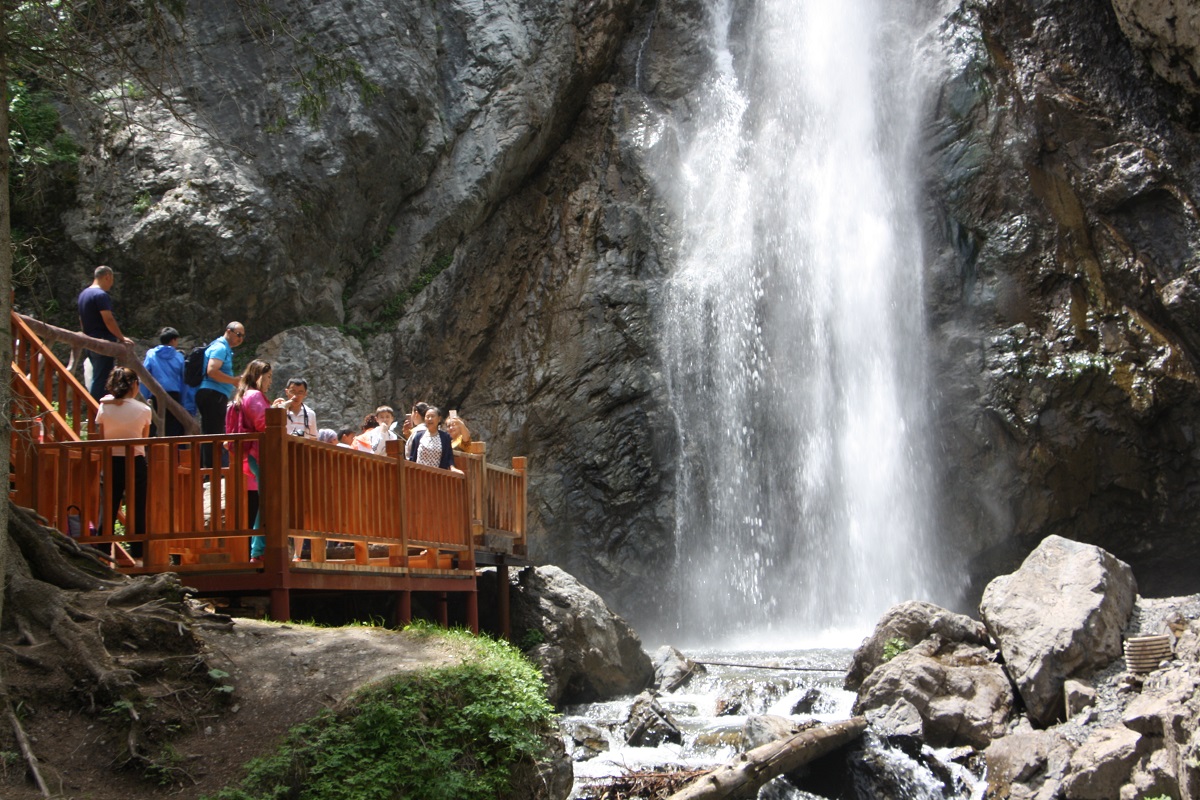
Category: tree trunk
<point>742,777</point>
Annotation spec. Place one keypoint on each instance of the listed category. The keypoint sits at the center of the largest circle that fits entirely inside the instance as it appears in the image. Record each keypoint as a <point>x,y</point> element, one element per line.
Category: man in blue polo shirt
<point>218,385</point>
<point>97,320</point>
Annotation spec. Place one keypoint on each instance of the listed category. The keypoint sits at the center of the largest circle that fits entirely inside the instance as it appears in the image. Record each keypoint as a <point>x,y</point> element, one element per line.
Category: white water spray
<point>795,326</point>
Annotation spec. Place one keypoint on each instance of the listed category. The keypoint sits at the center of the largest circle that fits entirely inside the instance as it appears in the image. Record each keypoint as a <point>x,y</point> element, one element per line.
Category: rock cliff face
<point>486,218</point>
<point>1063,293</point>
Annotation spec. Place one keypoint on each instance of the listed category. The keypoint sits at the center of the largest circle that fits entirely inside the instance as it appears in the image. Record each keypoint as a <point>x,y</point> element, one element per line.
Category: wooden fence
<point>409,528</point>
<point>197,519</point>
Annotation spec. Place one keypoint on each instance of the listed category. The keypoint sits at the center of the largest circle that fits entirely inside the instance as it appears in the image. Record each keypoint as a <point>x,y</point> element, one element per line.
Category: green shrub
<point>35,136</point>
<point>893,648</point>
<point>451,733</point>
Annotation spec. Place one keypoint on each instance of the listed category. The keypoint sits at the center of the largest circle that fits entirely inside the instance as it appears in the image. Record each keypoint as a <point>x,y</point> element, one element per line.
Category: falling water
<point>794,324</point>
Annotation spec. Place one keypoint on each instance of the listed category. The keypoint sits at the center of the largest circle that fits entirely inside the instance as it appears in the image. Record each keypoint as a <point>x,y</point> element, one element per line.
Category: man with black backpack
<point>217,386</point>
<point>165,363</point>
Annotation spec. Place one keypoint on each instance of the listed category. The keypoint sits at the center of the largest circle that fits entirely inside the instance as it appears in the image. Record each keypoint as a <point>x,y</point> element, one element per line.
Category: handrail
<point>35,328</point>
<point>55,386</point>
<point>67,476</point>
<point>199,517</point>
<point>498,503</point>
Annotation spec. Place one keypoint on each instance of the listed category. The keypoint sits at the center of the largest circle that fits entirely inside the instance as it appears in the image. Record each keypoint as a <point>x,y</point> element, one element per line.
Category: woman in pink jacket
<point>247,413</point>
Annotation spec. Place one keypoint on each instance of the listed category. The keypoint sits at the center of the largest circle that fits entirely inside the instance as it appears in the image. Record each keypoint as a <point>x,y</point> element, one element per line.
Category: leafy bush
<point>893,648</point>
<point>451,733</point>
<point>35,136</point>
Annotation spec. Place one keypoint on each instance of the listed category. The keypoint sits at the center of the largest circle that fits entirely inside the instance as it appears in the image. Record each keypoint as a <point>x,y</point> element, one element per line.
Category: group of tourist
<point>231,404</point>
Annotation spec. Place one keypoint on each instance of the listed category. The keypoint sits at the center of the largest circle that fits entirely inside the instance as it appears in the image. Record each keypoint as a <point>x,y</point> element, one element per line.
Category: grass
<point>448,733</point>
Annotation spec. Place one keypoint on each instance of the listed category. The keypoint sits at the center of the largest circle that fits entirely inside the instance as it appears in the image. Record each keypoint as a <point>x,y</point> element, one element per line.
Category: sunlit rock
<point>905,625</point>
<point>961,694</point>
<point>1079,696</point>
<point>1102,765</point>
<point>672,669</point>
<point>1027,766</point>
<point>1058,616</point>
<point>1169,31</point>
<point>340,389</point>
<point>763,728</point>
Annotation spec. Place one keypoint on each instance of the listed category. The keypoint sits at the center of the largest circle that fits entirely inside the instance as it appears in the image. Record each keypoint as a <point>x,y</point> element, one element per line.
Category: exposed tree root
<point>31,762</point>
<point>120,644</point>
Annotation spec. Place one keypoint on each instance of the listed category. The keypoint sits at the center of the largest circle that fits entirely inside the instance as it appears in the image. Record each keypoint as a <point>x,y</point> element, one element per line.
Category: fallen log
<point>742,777</point>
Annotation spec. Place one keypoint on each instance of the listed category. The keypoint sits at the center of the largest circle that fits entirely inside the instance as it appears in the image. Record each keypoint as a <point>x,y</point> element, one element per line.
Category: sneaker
<point>255,559</point>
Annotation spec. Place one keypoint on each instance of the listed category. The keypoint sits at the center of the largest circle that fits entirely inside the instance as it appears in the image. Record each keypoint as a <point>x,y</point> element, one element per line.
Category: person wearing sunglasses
<point>218,385</point>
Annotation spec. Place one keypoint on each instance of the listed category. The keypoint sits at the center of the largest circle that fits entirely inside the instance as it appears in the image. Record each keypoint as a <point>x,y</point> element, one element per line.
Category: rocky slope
<point>1050,708</point>
<point>487,219</point>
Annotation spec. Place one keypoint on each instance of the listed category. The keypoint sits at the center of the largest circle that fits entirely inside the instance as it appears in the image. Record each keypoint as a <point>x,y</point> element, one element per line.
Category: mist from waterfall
<point>794,325</point>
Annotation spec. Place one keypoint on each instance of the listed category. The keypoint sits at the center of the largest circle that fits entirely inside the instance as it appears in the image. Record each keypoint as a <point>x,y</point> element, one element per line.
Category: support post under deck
<point>502,600</point>
<point>404,608</point>
<point>473,611</point>
<point>281,605</point>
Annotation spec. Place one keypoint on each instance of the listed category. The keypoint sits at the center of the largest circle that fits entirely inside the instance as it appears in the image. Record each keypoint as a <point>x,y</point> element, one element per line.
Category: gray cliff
<point>488,220</point>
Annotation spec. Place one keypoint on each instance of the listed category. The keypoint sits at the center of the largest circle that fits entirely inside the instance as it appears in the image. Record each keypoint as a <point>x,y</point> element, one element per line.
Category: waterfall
<point>794,324</point>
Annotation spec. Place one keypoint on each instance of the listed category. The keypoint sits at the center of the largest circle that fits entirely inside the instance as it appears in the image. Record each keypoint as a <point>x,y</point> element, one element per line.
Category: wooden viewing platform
<point>411,528</point>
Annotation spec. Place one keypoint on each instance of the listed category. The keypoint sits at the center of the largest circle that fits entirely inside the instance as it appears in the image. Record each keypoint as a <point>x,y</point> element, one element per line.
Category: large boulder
<point>1060,615</point>
<point>905,625</point>
<point>1102,764</point>
<point>587,653</point>
<point>1028,766</point>
<point>960,693</point>
<point>340,388</point>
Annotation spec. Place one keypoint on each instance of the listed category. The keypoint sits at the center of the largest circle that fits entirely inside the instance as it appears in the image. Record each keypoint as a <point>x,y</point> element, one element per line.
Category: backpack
<point>194,366</point>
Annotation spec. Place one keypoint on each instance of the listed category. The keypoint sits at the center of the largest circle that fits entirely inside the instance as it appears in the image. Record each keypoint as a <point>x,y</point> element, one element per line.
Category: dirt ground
<point>282,674</point>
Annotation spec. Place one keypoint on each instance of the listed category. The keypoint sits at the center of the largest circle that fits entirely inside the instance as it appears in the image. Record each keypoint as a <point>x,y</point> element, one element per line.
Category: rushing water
<point>794,323</point>
<point>712,708</point>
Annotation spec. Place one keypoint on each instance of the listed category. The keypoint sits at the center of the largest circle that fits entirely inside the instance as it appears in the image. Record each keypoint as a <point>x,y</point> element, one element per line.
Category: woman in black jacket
<point>432,446</point>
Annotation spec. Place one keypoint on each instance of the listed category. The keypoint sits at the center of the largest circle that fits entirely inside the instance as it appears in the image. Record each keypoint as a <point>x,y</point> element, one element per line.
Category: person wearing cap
<point>165,363</point>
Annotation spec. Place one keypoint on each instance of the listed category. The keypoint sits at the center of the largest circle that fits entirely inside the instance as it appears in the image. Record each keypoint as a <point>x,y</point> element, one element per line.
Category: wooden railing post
<point>519,465</point>
<point>273,487</point>
<point>477,487</point>
<point>404,532</point>
<point>398,553</point>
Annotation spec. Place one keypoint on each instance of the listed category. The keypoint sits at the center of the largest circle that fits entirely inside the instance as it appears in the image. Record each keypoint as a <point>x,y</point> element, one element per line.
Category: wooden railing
<point>497,499</point>
<point>69,481</point>
<point>32,333</point>
<point>197,518</point>
<point>44,390</point>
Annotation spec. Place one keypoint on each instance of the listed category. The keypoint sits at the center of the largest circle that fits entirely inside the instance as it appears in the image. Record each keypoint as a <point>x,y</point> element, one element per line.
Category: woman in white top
<point>123,415</point>
<point>432,449</point>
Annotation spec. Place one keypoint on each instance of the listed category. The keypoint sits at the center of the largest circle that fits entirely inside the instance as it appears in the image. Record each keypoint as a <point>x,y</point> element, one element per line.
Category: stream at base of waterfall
<point>711,711</point>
